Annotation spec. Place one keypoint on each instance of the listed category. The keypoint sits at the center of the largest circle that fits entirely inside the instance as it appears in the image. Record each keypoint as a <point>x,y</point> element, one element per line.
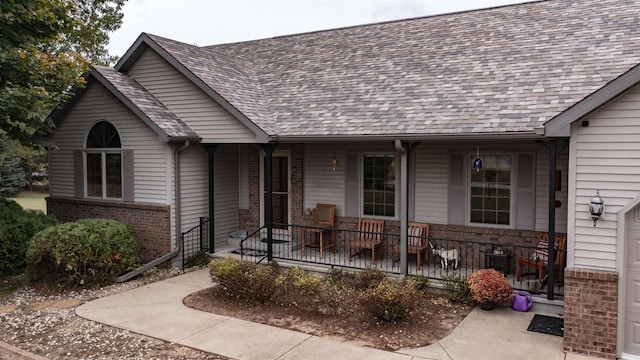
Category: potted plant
<point>488,287</point>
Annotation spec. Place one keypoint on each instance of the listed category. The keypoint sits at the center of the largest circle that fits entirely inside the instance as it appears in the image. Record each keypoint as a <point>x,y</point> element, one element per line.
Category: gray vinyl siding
<point>323,185</point>
<point>206,117</point>
<point>607,157</point>
<point>432,183</point>
<point>150,155</point>
<point>320,183</point>
<point>432,176</point>
<point>194,188</point>
<point>243,177</point>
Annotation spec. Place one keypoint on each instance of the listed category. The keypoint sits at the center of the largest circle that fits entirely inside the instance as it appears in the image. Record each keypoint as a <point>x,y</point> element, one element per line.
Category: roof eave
<point>559,125</point>
<point>523,135</point>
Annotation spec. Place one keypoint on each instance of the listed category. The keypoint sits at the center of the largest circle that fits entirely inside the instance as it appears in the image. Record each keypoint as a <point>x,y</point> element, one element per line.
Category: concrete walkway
<point>157,310</point>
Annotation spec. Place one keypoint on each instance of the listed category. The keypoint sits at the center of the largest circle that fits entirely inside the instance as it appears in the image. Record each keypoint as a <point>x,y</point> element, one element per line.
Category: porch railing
<point>471,255</point>
<point>195,244</point>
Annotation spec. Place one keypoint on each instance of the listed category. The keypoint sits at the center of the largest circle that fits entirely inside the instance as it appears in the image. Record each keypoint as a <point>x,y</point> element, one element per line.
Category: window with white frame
<point>491,191</point>
<point>379,185</point>
<point>103,154</point>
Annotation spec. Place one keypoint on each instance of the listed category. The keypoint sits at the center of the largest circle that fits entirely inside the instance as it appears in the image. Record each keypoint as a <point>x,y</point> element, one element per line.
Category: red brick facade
<point>150,224</point>
<point>591,312</point>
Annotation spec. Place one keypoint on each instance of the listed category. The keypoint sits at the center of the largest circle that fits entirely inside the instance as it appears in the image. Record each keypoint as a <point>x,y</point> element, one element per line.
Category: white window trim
<point>512,200</point>
<point>361,185</point>
<point>103,159</point>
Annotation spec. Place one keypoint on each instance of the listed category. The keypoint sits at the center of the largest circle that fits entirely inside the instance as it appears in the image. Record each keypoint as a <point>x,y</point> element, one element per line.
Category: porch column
<point>268,193</point>
<point>552,150</point>
<point>211,149</point>
<point>405,148</point>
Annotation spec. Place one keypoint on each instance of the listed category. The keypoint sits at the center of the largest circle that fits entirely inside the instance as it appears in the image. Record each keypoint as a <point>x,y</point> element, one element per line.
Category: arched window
<point>104,162</point>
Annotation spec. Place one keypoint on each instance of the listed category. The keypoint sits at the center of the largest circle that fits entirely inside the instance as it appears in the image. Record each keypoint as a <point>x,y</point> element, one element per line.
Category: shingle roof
<point>500,70</point>
<point>161,119</point>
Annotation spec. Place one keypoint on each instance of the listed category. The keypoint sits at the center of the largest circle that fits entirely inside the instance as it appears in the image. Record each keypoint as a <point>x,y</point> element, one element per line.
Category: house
<point>385,121</point>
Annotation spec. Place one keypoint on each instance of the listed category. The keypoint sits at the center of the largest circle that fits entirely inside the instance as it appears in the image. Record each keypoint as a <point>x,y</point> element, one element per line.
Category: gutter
<point>178,250</point>
<point>533,135</point>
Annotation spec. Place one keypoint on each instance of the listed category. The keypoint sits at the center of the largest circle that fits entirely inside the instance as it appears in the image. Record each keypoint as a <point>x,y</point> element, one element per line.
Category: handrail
<point>249,237</point>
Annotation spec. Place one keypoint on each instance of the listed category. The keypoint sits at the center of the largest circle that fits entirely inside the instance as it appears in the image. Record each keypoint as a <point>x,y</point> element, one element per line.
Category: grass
<point>32,200</point>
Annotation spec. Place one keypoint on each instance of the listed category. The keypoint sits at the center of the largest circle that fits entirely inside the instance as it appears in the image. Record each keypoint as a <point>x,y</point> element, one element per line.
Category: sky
<point>209,22</point>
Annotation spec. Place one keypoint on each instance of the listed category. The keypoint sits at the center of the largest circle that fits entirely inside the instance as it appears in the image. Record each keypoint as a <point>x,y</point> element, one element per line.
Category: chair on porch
<point>369,236</point>
<point>539,259</point>
<point>323,225</point>
<point>418,243</point>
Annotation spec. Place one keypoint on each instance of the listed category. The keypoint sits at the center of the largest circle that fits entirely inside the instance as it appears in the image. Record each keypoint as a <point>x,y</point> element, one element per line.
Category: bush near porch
<point>85,253</point>
<point>370,291</point>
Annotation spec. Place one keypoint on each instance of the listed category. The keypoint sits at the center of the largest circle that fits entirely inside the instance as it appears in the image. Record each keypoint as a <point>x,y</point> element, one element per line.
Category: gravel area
<point>45,324</point>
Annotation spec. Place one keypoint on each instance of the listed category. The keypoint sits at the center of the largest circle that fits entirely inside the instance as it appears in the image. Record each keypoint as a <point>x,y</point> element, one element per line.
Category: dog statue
<point>446,256</point>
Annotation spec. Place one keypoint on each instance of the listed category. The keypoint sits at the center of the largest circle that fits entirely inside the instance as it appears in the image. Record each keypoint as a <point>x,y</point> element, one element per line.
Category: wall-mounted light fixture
<point>477,163</point>
<point>596,207</point>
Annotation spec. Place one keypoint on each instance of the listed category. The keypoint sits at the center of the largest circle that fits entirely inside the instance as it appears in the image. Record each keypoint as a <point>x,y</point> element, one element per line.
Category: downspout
<point>178,249</point>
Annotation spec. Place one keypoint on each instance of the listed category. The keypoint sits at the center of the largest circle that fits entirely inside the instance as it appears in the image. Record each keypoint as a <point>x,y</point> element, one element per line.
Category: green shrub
<point>87,252</point>
<point>456,289</point>
<point>245,280</point>
<point>341,278</point>
<point>369,277</point>
<point>391,300</point>
<point>421,282</point>
<point>17,226</point>
<point>300,282</point>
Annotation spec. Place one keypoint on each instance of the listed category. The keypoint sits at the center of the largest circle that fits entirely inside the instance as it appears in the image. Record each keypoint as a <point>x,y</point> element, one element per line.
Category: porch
<point>473,255</point>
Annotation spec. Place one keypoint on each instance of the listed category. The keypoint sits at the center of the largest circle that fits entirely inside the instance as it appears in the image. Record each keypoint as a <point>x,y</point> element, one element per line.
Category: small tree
<point>11,172</point>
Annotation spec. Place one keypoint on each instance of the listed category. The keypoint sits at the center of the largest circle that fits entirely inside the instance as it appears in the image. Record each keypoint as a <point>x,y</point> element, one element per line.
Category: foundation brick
<point>591,308</point>
<point>150,224</point>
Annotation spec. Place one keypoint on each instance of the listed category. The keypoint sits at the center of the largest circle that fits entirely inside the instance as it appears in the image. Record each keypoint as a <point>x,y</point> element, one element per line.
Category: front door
<point>632,285</point>
<point>280,198</point>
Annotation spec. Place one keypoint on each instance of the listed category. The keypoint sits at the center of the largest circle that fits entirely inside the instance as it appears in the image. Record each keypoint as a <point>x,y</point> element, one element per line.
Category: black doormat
<point>547,325</point>
<point>250,252</point>
<point>274,241</point>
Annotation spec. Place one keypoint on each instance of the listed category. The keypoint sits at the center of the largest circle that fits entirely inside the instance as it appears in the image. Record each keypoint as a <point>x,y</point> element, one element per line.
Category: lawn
<point>32,200</point>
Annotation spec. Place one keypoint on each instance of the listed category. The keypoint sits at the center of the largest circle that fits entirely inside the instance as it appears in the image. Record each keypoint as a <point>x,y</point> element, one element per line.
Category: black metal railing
<point>195,244</point>
<point>445,258</point>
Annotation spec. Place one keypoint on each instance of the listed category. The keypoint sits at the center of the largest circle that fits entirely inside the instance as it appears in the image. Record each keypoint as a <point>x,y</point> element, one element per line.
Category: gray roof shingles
<point>165,120</point>
<point>500,70</point>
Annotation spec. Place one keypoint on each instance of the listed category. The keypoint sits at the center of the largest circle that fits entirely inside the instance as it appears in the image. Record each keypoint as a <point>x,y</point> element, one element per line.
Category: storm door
<point>281,191</point>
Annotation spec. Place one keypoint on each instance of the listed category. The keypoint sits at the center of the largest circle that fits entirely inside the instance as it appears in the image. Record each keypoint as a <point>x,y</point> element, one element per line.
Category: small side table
<point>500,262</point>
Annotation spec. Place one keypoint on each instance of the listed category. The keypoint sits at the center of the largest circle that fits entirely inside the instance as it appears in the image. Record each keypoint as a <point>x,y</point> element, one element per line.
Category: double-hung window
<point>379,185</point>
<point>491,191</point>
<point>103,160</point>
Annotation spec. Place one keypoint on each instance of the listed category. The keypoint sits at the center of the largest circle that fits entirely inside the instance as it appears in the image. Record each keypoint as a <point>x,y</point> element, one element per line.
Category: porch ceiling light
<point>477,163</point>
<point>596,207</point>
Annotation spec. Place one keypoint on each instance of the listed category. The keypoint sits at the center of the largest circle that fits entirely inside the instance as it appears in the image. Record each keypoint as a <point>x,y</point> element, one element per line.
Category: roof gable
<point>150,110</point>
<point>230,82</point>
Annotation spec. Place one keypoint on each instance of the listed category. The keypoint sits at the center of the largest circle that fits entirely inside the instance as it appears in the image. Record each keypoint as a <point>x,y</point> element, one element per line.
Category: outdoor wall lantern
<point>477,163</point>
<point>596,207</point>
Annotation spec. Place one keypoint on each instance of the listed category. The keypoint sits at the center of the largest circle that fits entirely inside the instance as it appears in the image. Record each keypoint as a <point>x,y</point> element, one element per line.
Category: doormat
<point>274,241</point>
<point>250,252</point>
<point>547,325</point>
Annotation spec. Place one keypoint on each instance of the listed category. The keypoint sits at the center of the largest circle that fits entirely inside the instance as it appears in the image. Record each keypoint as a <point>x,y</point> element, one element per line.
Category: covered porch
<point>431,183</point>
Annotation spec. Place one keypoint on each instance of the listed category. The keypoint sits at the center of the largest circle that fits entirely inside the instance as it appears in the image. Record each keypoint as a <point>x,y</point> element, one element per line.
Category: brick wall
<point>590,312</point>
<point>150,224</point>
